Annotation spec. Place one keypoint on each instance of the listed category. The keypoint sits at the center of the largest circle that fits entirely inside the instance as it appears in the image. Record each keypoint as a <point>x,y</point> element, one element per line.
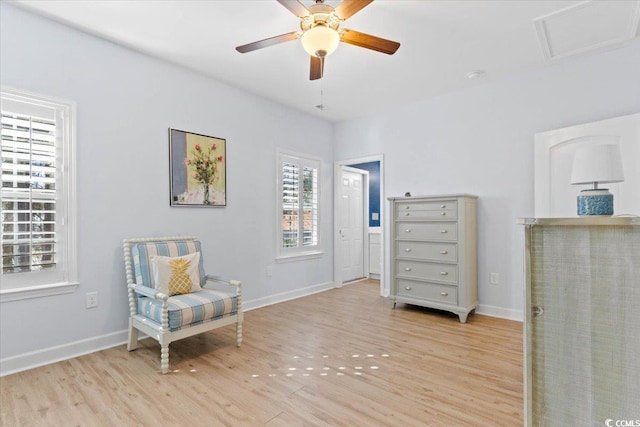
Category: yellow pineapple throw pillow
<point>177,275</point>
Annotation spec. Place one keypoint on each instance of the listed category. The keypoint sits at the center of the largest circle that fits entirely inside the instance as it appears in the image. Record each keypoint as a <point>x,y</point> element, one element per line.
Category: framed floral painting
<point>198,166</point>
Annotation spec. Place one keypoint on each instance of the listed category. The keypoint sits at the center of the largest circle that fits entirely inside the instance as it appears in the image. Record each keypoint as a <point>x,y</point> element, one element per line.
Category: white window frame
<point>64,277</point>
<point>284,254</point>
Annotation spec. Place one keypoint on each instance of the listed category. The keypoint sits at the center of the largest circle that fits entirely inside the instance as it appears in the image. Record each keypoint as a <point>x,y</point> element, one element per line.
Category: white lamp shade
<point>597,163</point>
<point>320,39</point>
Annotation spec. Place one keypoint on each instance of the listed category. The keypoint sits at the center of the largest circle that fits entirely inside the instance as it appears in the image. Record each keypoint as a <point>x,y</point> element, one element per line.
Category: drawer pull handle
<point>444,252</point>
<point>408,230</point>
<point>444,294</point>
<point>407,249</point>
<point>443,231</point>
<point>443,206</point>
<point>407,214</point>
<point>407,269</point>
<point>408,207</point>
<point>444,273</point>
<point>407,288</point>
<point>443,214</point>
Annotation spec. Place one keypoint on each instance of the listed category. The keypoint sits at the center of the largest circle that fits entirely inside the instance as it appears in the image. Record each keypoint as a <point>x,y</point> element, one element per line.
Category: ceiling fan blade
<point>317,67</point>
<point>267,42</point>
<point>368,41</point>
<point>295,7</point>
<point>349,8</point>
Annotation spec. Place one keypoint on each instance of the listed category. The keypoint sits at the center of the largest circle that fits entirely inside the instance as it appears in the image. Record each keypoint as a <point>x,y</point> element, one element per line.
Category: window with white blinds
<point>298,205</point>
<point>37,195</point>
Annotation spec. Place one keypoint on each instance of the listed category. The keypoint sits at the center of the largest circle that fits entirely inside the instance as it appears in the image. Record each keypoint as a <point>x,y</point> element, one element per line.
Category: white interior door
<point>351,225</point>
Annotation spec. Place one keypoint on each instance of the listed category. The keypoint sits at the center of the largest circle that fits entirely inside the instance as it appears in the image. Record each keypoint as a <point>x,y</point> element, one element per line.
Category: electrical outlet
<point>269,271</point>
<point>92,299</point>
<point>494,279</point>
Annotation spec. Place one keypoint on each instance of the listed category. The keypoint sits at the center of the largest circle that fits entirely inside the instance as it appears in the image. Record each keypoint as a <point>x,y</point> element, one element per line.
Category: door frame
<point>337,168</point>
<point>365,221</point>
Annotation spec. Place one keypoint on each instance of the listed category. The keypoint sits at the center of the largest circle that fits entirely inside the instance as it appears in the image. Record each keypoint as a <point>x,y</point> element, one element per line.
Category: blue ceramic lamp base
<point>595,202</point>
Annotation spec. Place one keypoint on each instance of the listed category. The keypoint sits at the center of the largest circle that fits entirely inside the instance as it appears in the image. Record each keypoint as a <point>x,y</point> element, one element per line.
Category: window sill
<point>16,294</point>
<point>299,256</point>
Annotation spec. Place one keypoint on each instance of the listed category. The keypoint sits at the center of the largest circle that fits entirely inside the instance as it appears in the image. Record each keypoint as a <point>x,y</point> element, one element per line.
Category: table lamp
<point>596,164</point>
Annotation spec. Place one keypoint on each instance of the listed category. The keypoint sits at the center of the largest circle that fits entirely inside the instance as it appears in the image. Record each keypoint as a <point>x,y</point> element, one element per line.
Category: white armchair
<point>165,317</point>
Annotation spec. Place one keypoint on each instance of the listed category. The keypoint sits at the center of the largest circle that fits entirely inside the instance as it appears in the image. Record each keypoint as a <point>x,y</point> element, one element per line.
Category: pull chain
<point>321,105</point>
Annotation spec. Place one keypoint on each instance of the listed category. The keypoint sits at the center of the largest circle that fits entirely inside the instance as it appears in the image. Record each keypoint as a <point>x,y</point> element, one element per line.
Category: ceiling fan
<point>320,32</point>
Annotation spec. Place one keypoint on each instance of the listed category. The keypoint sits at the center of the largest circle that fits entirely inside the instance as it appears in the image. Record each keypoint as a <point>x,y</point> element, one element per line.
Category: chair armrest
<point>218,279</point>
<point>229,282</point>
<point>148,292</point>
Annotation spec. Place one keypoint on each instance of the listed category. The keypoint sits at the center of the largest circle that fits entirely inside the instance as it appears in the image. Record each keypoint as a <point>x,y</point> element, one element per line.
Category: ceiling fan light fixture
<point>320,40</point>
<point>321,32</point>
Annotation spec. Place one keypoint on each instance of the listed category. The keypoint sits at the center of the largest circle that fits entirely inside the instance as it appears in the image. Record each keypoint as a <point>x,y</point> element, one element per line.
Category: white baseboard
<point>503,313</point>
<point>286,296</point>
<point>34,359</point>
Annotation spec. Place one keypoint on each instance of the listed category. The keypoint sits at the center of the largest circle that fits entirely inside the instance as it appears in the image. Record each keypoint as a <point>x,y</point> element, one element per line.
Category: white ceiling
<point>441,42</point>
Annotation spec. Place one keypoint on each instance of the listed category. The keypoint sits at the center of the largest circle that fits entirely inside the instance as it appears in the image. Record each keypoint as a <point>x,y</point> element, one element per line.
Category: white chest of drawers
<point>433,252</point>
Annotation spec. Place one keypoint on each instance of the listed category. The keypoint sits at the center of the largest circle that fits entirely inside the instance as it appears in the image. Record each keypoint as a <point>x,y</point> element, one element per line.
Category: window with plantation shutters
<point>38,215</point>
<point>298,205</point>
<point>290,204</point>
<point>28,193</point>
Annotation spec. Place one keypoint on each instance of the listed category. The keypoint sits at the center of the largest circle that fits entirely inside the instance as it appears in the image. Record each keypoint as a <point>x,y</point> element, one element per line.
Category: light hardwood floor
<point>339,358</point>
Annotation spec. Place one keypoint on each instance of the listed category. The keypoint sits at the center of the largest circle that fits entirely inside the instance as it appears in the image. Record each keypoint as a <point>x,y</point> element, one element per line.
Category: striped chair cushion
<point>190,309</point>
<point>142,253</point>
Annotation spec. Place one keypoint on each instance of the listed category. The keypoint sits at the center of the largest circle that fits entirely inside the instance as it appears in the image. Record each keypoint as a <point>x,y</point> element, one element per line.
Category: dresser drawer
<point>429,291</point>
<point>446,231</point>
<point>439,214</point>
<point>427,206</point>
<point>427,271</point>
<point>427,251</point>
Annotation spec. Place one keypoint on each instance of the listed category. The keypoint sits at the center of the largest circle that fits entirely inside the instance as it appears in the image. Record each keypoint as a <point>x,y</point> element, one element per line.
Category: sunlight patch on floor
<point>307,367</point>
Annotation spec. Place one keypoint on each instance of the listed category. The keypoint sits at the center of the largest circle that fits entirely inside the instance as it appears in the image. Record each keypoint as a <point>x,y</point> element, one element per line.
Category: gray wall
<point>126,103</point>
<point>480,141</point>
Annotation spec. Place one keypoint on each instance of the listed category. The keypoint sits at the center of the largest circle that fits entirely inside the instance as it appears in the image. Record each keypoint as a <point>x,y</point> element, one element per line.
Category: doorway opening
<point>368,243</point>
